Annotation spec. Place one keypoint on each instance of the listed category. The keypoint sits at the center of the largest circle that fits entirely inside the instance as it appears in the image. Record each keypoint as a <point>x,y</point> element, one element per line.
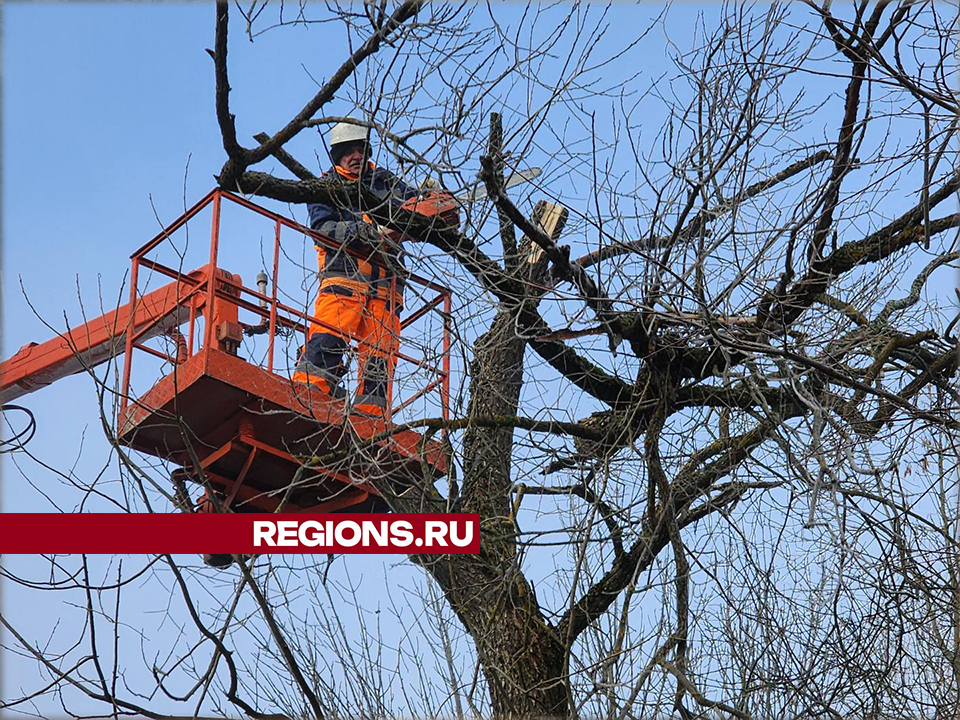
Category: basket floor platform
<point>265,443</point>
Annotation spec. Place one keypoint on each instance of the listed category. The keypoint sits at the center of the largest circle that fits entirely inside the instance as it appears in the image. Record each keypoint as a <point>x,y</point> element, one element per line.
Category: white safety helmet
<point>347,132</point>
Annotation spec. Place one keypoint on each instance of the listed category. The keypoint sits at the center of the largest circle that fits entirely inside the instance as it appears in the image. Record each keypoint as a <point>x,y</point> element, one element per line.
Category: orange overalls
<point>359,302</point>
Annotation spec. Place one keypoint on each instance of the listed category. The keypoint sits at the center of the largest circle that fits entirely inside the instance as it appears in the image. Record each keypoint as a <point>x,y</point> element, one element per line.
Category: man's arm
<point>343,227</point>
<point>390,187</point>
<point>346,227</point>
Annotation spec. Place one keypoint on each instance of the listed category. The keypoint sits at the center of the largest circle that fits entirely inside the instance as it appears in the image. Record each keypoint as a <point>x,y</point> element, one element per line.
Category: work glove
<point>368,235</point>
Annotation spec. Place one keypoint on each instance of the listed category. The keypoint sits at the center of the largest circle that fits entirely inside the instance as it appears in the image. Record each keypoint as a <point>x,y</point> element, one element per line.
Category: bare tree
<point>710,415</point>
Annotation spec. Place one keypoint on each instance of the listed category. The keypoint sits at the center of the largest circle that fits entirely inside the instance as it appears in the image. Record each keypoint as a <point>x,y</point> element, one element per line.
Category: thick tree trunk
<point>496,378</point>
<point>522,658</point>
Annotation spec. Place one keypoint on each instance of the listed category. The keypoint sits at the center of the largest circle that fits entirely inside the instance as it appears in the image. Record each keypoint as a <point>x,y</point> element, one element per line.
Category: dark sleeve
<point>394,186</point>
<point>342,226</point>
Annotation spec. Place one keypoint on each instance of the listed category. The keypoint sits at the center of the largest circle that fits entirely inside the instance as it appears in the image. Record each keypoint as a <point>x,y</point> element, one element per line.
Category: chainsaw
<point>445,206</point>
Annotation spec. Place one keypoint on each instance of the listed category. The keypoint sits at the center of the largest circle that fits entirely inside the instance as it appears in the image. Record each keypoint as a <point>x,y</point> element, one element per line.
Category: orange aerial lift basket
<point>230,420</point>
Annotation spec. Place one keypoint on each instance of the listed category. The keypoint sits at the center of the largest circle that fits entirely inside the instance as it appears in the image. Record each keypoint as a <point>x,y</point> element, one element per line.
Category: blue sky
<point>108,118</point>
<point>103,107</point>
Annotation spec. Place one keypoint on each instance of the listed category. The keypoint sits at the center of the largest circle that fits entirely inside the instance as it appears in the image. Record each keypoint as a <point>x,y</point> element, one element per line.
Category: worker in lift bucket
<point>361,296</point>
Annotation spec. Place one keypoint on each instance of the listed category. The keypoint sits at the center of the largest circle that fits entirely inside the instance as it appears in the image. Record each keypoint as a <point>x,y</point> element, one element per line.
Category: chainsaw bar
<point>479,191</point>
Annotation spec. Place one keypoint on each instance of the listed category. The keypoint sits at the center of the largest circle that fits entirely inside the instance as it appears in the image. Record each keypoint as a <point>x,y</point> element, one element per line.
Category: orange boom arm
<point>37,365</point>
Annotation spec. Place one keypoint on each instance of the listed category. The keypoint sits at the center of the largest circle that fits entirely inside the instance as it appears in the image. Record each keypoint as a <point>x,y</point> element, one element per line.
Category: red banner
<point>236,533</point>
